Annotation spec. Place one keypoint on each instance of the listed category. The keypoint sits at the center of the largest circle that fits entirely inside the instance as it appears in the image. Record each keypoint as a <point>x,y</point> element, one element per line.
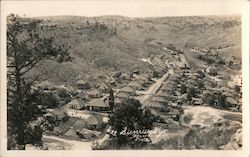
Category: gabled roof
<point>226,89</point>
<point>159,99</point>
<point>227,94</point>
<point>99,102</point>
<point>127,89</point>
<point>231,100</point>
<point>155,105</point>
<point>93,92</point>
<point>122,95</point>
<point>118,100</point>
<point>134,84</point>
<point>76,104</point>
<point>92,120</point>
<point>44,84</point>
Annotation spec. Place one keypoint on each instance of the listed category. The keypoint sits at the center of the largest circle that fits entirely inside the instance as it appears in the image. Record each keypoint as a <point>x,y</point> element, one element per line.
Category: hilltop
<point>102,45</point>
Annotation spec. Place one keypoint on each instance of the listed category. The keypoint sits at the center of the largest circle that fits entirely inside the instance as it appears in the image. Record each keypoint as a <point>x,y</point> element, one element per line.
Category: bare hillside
<point>101,45</point>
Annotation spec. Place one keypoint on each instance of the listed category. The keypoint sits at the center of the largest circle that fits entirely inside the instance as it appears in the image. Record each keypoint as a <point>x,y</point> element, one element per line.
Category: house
<point>128,90</point>
<point>93,122</point>
<point>231,102</point>
<point>155,105</point>
<point>193,77</point>
<point>227,94</point>
<point>163,94</point>
<point>70,89</point>
<point>118,101</point>
<point>71,132</point>
<point>135,85</point>
<point>212,70</point>
<point>44,85</point>
<point>122,95</point>
<point>196,101</point>
<point>136,72</point>
<point>75,104</point>
<point>103,88</point>
<point>94,93</point>
<point>142,79</point>
<point>111,81</point>
<point>192,82</point>
<point>88,134</point>
<point>159,99</point>
<point>225,89</point>
<point>98,104</point>
<point>124,76</point>
<point>168,90</point>
<point>117,74</point>
<point>168,86</point>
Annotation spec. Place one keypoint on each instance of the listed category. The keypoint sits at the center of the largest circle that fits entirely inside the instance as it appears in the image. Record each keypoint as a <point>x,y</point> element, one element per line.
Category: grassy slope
<point>95,49</point>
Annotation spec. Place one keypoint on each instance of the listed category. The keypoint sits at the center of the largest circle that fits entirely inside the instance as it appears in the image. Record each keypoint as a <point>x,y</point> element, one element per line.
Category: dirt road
<point>146,95</point>
<point>57,143</point>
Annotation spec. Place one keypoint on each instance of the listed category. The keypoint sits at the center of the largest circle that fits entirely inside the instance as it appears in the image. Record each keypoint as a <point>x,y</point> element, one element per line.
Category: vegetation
<point>130,115</point>
<point>25,49</point>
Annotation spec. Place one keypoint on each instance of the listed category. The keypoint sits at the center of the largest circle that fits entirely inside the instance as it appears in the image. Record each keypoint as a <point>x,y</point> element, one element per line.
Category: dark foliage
<point>130,115</point>
<point>25,48</point>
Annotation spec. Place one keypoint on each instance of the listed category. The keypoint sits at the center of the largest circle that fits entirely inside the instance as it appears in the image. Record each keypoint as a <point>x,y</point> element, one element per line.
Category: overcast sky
<point>139,8</point>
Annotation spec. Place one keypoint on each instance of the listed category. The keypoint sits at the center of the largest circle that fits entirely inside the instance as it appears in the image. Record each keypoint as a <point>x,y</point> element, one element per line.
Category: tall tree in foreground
<point>130,115</point>
<point>25,48</point>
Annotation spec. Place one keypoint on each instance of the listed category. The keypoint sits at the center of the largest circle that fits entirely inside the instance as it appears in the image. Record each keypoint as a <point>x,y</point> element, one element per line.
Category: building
<point>212,70</point>
<point>92,122</point>
<point>231,102</point>
<point>98,104</point>
<point>118,101</point>
<point>122,95</point>
<point>155,105</point>
<point>103,88</point>
<point>94,93</point>
<point>159,99</point>
<point>44,85</point>
<point>128,90</point>
<point>81,85</point>
<point>135,85</point>
<point>75,104</point>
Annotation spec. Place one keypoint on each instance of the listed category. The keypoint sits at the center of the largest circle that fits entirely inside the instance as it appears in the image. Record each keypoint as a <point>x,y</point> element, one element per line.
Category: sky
<point>137,8</point>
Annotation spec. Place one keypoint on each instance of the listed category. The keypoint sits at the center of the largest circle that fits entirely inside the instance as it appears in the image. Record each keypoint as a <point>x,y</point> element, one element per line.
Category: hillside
<point>102,45</point>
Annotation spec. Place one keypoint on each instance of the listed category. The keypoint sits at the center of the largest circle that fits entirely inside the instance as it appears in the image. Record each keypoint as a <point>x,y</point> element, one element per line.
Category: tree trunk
<point>18,108</point>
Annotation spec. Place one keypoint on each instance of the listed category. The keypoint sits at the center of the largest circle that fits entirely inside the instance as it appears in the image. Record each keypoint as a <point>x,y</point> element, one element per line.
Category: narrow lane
<point>146,95</point>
